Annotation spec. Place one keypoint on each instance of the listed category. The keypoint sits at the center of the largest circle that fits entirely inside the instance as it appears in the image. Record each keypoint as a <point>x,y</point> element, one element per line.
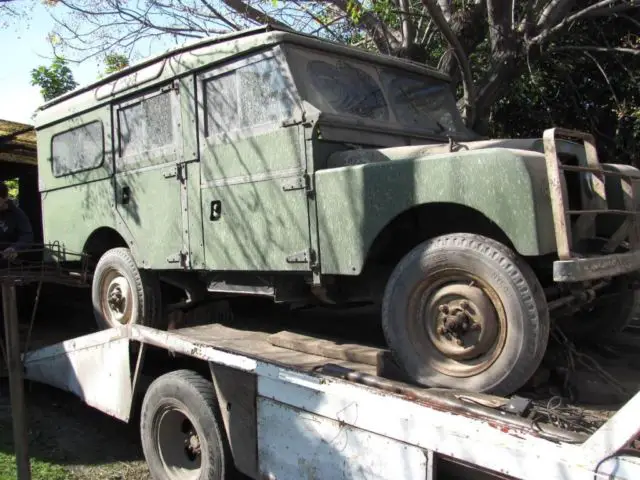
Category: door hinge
<point>177,171</point>
<point>302,182</point>
<point>182,172</point>
<point>175,85</point>
<point>306,256</point>
<point>181,257</point>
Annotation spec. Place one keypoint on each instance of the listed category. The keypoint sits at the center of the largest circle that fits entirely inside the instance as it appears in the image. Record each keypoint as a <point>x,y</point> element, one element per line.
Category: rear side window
<point>78,149</point>
<point>252,95</point>
<point>146,125</point>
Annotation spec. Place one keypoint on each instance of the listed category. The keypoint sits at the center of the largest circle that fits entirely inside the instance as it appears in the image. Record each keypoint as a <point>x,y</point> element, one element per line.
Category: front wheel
<point>463,311</point>
<point>122,295</point>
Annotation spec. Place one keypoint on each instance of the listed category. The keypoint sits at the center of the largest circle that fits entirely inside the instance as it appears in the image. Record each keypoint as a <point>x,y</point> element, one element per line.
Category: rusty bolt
<point>464,304</point>
<point>444,308</point>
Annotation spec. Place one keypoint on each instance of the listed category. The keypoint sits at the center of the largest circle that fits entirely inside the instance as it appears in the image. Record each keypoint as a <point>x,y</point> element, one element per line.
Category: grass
<point>69,440</point>
<point>40,470</point>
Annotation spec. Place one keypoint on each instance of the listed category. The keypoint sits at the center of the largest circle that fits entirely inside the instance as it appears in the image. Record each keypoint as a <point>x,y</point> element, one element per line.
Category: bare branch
<point>598,8</point>
<point>467,79</point>
<point>553,12</point>
<point>408,30</point>
<point>254,14</point>
<point>219,16</point>
<point>592,48</point>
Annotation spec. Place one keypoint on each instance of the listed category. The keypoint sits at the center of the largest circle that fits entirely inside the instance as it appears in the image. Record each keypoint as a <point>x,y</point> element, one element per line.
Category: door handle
<point>126,195</point>
<point>216,210</point>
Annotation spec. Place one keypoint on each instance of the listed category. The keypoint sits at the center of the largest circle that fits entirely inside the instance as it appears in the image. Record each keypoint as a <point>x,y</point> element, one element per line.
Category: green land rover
<point>271,163</point>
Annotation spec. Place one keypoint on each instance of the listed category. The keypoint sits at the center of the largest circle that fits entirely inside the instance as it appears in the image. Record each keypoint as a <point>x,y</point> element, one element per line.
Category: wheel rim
<point>178,444</point>
<point>457,323</point>
<point>116,298</point>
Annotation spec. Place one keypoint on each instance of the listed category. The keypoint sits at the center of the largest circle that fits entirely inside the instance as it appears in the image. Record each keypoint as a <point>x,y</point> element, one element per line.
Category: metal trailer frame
<point>285,422</point>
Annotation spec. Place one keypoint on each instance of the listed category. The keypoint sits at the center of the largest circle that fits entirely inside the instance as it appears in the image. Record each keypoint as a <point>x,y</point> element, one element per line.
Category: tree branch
<point>254,14</point>
<point>595,9</point>
<point>467,79</point>
<point>590,48</point>
<point>408,30</point>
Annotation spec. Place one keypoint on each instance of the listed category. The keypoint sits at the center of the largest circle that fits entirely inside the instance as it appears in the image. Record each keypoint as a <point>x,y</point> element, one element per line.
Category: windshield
<point>344,86</point>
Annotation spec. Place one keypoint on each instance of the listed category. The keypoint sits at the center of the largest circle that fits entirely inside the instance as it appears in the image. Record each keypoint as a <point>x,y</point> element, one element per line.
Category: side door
<point>253,165</point>
<point>150,177</point>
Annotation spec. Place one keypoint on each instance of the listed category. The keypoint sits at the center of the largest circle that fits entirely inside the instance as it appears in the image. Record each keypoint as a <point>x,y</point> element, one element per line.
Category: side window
<point>249,96</point>
<point>78,149</point>
<point>146,128</point>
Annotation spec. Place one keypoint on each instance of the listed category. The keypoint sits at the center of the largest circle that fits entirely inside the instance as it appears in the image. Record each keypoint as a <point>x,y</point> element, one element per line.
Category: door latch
<point>216,210</point>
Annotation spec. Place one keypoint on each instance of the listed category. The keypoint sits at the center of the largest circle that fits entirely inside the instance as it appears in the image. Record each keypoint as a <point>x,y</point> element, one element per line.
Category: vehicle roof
<point>188,57</point>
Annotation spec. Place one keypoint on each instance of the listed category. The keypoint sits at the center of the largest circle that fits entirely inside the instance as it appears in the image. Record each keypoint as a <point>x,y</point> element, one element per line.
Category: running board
<point>78,366</point>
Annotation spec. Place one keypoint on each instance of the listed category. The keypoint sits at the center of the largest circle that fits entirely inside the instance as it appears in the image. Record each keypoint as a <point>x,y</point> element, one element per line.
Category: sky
<point>25,47</point>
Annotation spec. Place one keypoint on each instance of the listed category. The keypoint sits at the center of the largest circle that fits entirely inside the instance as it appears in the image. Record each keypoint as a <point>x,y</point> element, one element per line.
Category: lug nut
<point>464,304</point>
<point>459,342</point>
<point>444,308</point>
<point>440,330</point>
<point>475,327</point>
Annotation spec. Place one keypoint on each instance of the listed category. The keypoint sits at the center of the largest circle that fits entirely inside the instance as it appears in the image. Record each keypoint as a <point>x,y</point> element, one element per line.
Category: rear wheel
<point>121,294</point>
<point>181,430</point>
<point>464,311</point>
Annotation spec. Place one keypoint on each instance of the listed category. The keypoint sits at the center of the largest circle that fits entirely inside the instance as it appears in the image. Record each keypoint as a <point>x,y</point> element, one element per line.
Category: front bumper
<point>572,268</point>
<point>593,268</point>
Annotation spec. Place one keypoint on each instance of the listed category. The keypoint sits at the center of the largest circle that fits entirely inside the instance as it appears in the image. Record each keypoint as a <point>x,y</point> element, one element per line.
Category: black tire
<point>177,406</point>
<point>142,305</point>
<point>497,285</point>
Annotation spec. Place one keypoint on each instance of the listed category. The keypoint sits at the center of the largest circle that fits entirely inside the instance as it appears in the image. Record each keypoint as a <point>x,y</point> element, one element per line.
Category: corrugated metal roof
<point>17,142</point>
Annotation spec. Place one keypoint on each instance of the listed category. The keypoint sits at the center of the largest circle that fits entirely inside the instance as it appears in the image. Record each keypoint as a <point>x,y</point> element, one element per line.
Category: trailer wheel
<point>122,294</point>
<point>464,311</point>
<point>180,429</point>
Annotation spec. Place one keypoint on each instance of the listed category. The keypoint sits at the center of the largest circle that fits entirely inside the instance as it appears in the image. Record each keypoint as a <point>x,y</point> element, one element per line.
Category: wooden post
<point>16,384</point>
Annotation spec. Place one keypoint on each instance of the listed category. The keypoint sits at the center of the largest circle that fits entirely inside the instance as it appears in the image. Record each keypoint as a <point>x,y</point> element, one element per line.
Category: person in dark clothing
<point>15,228</point>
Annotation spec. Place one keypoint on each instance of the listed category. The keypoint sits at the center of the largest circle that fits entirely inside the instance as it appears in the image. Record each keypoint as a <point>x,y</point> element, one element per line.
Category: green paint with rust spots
<point>355,203</point>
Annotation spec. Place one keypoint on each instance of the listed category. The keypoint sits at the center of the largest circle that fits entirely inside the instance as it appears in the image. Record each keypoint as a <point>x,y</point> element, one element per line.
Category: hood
<point>370,155</point>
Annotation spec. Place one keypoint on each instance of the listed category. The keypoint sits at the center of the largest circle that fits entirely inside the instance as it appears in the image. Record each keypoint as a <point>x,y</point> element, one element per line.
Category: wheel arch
<point>101,240</point>
<point>415,225</point>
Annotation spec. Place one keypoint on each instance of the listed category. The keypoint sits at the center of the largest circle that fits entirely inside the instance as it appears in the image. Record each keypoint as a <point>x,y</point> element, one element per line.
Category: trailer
<point>222,398</point>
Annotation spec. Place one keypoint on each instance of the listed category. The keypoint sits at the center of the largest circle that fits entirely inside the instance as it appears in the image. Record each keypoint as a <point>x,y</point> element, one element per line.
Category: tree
<point>497,51</point>
<point>514,34</point>
<point>54,80</point>
<point>115,62</point>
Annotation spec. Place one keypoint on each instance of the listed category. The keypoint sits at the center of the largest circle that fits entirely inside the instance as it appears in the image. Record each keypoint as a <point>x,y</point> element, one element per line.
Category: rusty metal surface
<point>46,263</point>
<point>298,445</point>
<point>12,337</point>
<point>569,268</point>
<point>581,269</point>
<point>74,366</point>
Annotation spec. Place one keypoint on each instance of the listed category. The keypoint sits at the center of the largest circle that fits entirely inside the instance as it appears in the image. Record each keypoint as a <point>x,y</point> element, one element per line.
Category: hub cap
<point>117,303</point>
<point>178,445</point>
<point>457,323</point>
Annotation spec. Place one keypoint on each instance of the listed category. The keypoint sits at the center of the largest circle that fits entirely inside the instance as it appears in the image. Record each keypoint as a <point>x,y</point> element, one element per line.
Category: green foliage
<point>53,80</point>
<point>115,62</point>
<point>594,91</point>
<point>14,187</point>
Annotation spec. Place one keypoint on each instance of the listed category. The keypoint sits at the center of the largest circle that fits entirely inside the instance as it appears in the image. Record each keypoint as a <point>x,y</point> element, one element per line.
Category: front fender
<point>355,203</point>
